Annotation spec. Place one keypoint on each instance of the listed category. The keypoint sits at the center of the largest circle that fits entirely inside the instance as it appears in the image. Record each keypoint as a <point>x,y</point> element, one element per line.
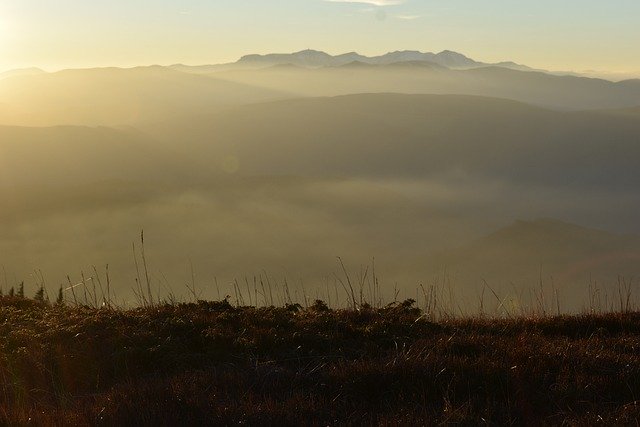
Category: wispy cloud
<point>408,17</point>
<point>372,2</point>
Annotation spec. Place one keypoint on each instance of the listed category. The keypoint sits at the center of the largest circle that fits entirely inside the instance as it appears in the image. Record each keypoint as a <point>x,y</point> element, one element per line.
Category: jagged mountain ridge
<point>310,58</point>
<point>314,58</point>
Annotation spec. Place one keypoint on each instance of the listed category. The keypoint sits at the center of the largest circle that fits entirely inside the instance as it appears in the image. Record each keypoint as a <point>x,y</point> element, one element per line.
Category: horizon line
<point>593,73</point>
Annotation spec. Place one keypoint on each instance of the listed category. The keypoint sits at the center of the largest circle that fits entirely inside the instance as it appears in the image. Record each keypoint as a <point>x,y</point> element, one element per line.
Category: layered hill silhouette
<point>302,159</point>
<point>533,87</point>
<point>116,96</point>
<point>63,156</point>
<point>122,97</point>
<point>417,136</point>
<point>374,137</point>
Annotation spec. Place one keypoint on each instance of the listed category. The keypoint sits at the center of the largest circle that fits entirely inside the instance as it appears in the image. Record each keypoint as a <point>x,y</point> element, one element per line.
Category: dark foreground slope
<point>211,363</point>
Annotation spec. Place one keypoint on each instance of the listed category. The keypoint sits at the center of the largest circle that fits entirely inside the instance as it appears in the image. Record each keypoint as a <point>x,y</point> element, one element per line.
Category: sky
<point>567,35</point>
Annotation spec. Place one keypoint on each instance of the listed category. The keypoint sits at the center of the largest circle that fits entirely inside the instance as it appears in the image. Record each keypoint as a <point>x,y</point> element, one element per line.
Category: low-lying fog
<point>431,186</point>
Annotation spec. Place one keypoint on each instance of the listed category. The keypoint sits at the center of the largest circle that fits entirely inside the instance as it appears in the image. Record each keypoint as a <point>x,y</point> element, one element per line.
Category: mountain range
<point>317,59</point>
<point>130,96</point>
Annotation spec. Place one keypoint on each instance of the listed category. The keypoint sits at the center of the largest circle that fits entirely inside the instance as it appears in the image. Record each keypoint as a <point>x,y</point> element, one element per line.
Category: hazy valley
<point>280,164</point>
<point>319,213</point>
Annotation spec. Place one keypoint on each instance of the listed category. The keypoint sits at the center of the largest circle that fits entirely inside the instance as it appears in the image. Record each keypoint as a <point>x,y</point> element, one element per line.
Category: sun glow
<point>4,42</point>
<point>3,29</point>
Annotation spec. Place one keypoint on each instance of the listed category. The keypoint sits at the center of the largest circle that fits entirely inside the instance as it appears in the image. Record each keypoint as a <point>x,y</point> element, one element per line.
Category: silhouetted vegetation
<point>217,364</point>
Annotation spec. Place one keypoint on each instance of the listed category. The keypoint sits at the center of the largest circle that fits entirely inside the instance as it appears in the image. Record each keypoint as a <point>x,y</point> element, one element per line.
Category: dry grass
<point>215,364</point>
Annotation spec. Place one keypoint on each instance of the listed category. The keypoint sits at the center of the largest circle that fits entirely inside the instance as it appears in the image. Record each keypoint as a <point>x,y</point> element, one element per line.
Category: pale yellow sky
<point>568,35</point>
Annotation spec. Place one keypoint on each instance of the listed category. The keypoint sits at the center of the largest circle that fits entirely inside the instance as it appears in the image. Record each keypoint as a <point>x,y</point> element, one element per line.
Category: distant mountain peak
<point>405,51</point>
<point>311,52</point>
<point>318,59</point>
<point>452,53</point>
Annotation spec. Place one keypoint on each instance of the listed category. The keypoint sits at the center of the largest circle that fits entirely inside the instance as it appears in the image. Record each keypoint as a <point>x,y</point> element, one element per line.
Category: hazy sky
<point>561,35</point>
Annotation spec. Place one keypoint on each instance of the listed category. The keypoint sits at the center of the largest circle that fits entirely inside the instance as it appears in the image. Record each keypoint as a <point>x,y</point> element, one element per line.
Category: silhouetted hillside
<point>116,96</point>
<point>69,155</point>
<point>210,362</point>
<point>392,136</point>
<point>563,92</point>
<point>288,185</point>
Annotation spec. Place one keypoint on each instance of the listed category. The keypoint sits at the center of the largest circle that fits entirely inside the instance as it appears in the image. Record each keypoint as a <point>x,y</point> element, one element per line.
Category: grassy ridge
<point>212,363</point>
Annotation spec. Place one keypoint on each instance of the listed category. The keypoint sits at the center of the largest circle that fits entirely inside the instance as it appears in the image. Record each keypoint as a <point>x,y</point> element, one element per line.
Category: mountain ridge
<point>315,58</point>
<point>311,58</point>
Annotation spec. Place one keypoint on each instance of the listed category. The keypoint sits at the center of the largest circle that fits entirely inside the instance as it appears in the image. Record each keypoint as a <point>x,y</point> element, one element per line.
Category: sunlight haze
<point>319,212</point>
<point>544,34</point>
<point>250,136</point>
